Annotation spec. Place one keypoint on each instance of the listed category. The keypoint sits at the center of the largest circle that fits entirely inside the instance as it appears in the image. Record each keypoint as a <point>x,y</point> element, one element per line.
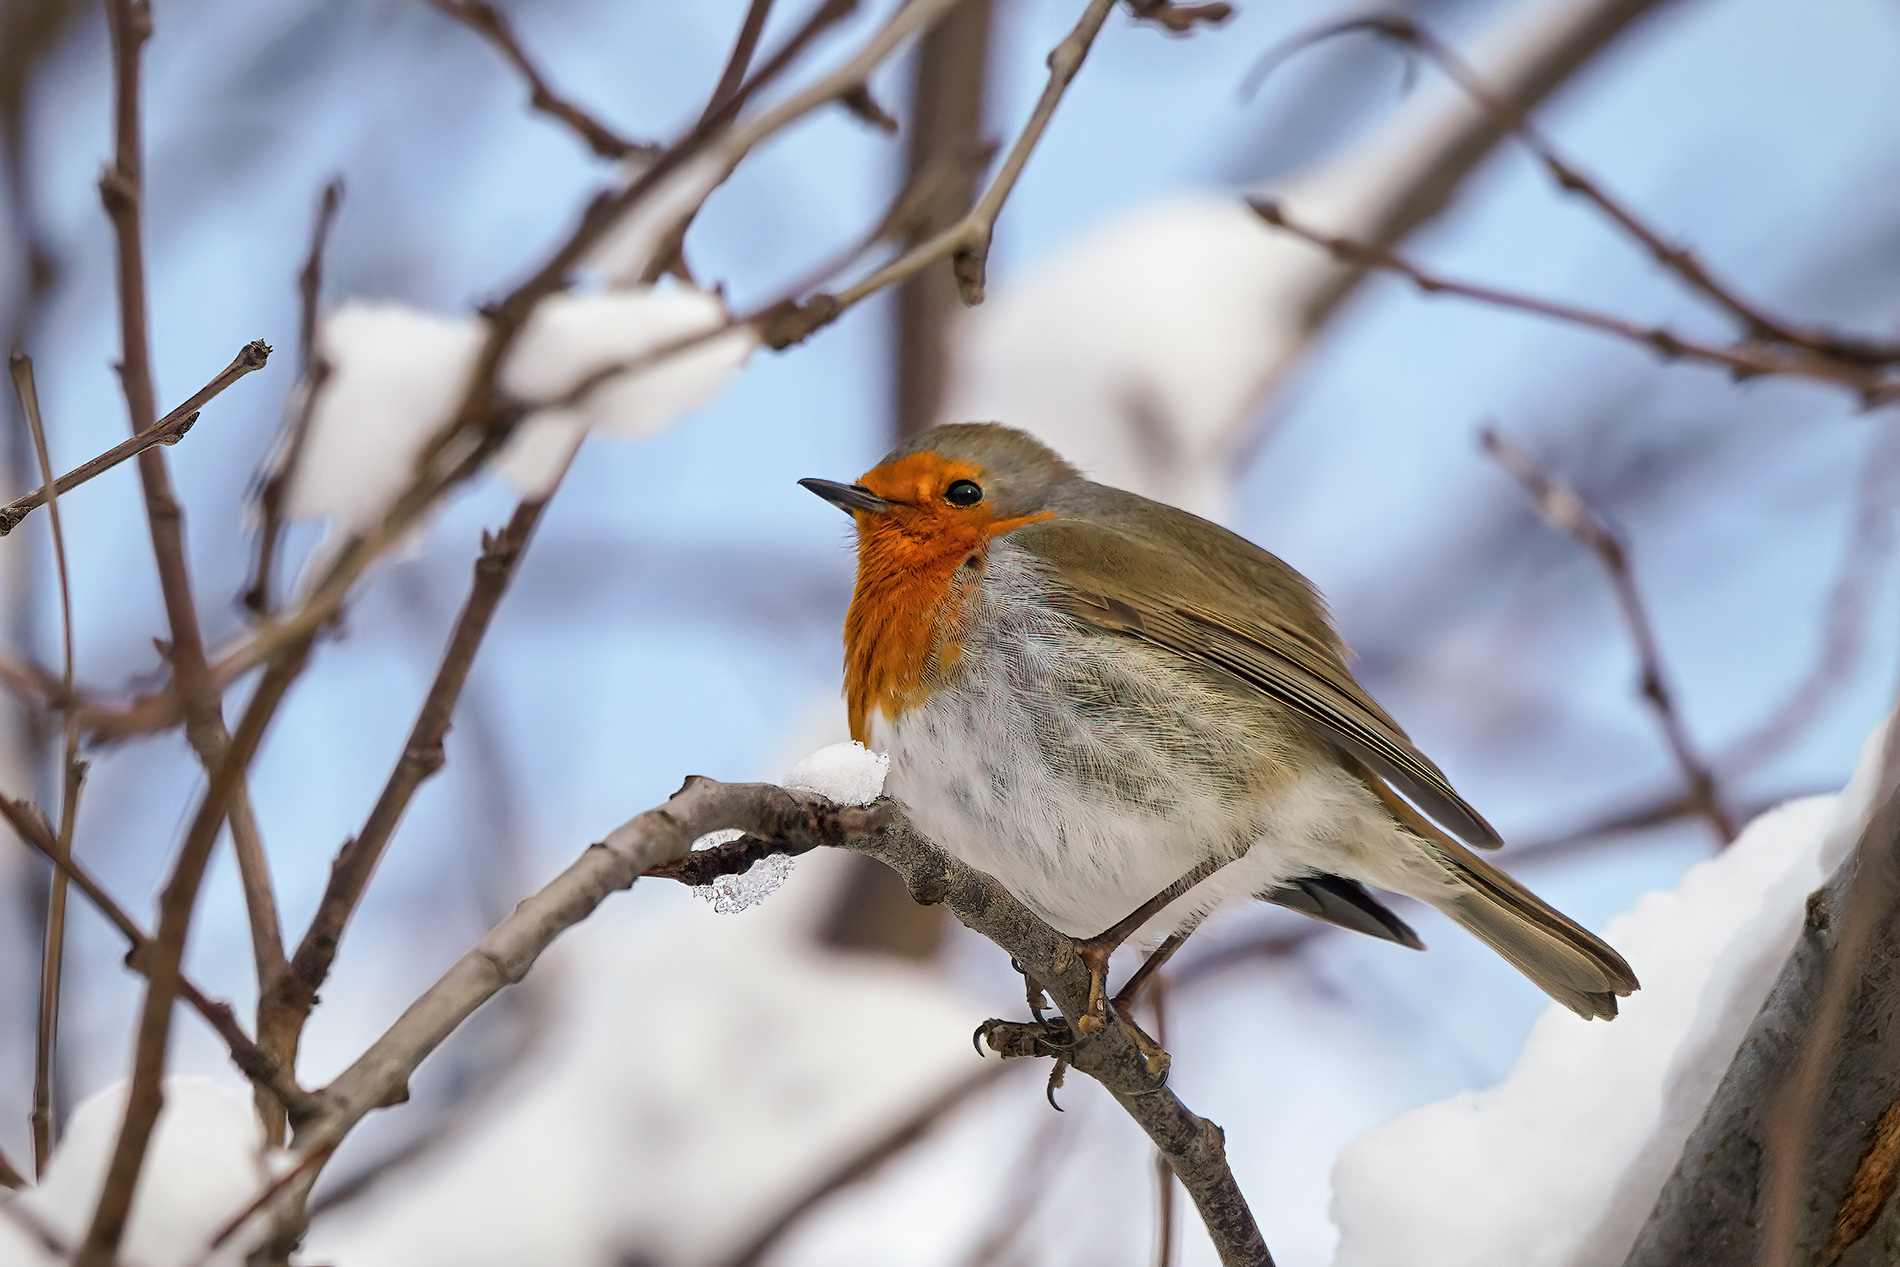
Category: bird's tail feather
<point>1560,957</point>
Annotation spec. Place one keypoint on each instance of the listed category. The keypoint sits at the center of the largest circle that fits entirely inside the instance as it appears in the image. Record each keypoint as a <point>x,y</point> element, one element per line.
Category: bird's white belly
<point>1087,776</point>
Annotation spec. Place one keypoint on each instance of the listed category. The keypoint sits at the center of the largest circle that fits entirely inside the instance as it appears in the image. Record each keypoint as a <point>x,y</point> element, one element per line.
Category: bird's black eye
<point>963,493</point>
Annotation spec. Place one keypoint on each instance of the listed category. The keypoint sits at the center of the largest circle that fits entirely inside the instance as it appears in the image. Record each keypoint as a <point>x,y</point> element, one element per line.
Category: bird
<point>1130,716</point>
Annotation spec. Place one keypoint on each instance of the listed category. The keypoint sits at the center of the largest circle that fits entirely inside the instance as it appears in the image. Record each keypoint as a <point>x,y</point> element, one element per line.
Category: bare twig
<point>967,242</point>
<point>9,1177</point>
<point>313,375</point>
<point>250,1059</point>
<point>167,431</point>
<point>73,773</point>
<point>1756,324</point>
<point>1180,19</point>
<point>740,60</point>
<point>487,21</point>
<point>422,756</point>
<point>484,419</point>
<point>145,1096</point>
<point>907,1131</point>
<point>1562,508</point>
<point>121,188</point>
<point>1872,384</point>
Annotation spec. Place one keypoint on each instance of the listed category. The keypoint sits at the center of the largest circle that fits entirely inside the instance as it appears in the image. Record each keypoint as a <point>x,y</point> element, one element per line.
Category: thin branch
<point>743,47</point>
<point>1744,360</point>
<point>250,1059</point>
<point>313,375</point>
<point>73,774</point>
<point>167,431</point>
<point>907,1131</point>
<point>1562,508</point>
<point>422,756</point>
<point>1180,19</point>
<point>967,242</point>
<point>9,1177</point>
<point>1756,324</point>
<point>483,420</point>
<point>1844,630</point>
<point>224,759</point>
<point>1023,1190</point>
<point>487,21</point>
<point>177,902</point>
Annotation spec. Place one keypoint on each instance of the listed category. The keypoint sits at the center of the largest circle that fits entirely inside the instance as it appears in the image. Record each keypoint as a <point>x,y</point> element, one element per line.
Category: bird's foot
<point>1032,992</point>
<point>1010,1039</point>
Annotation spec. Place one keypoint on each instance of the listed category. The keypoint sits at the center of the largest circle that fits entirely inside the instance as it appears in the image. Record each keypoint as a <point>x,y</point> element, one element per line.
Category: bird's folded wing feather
<point>1187,602</point>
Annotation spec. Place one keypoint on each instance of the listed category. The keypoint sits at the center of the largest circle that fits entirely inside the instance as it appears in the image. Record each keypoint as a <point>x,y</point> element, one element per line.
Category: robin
<point>1130,716</point>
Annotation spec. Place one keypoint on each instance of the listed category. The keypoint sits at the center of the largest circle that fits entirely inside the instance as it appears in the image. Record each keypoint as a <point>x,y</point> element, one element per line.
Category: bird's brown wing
<point>1223,603</point>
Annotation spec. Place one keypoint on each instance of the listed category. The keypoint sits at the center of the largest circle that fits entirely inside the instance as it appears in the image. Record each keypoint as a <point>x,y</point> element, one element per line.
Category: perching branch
<point>1562,508</point>
<point>796,821</point>
<point>167,431</point>
<point>487,21</point>
<point>1873,384</point>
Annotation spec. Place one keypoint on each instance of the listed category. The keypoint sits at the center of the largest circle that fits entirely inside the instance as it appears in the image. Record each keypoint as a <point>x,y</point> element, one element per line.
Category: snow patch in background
<point>848,773</point>
<point>205,1165</point>
<point>573,336</point>
<point>694,1074</point>
<point>1559,1165</point>
<point>1139,352</point>
<point>398,374</point>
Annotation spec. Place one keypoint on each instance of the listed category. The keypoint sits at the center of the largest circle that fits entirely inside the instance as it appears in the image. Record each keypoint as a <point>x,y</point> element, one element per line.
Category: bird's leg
<point>1094,951</point>
<point>1132,988</point>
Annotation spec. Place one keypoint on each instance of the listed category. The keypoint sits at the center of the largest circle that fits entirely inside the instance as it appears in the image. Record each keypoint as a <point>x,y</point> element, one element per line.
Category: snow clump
<point>848,773</point>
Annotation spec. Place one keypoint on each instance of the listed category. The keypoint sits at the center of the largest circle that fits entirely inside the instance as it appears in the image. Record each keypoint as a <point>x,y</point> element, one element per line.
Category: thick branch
<point>1562,508</point>
<point>796,821</point>
<point>1793,1160</point>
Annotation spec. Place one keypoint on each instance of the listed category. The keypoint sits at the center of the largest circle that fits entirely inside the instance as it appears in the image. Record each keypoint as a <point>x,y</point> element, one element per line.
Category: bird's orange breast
<point>918,566</point>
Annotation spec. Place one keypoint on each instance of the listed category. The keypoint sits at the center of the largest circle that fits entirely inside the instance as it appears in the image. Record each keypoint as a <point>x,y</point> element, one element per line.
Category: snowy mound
<point>1559,1165</point>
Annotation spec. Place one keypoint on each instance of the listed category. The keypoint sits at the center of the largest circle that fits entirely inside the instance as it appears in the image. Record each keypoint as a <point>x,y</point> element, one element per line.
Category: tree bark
<point>1795,1160</point>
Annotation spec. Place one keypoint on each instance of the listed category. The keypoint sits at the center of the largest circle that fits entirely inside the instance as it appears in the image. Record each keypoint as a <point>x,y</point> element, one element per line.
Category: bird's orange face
<point>919,552</point>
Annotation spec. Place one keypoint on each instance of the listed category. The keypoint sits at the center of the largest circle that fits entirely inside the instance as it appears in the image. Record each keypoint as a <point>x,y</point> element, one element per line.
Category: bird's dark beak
<point>848,496</point>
